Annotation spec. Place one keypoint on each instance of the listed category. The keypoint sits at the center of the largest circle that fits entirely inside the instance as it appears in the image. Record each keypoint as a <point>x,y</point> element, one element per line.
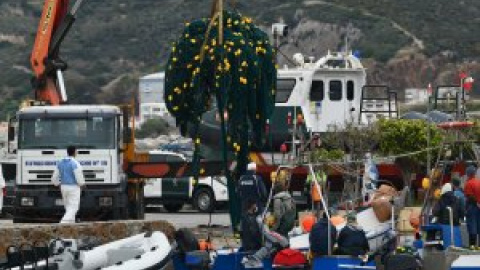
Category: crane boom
<point>46,64</point>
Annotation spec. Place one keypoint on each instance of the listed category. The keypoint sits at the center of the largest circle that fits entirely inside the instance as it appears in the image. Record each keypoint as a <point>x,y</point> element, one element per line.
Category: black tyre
<point>204,200</point>
<point>173,207</point>
<point>136,202</point>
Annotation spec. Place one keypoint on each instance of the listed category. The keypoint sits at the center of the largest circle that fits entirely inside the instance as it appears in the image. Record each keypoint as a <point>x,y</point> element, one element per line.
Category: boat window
<point>336,63</point>
<point>165,158</point>
<point>335,90</point>
<point>317,92</point>
<point>350,90</point>
<point>284,89</point>
<point>158,158</point>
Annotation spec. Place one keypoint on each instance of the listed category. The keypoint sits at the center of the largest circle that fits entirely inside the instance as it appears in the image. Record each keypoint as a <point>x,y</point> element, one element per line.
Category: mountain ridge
<point>403,43</point>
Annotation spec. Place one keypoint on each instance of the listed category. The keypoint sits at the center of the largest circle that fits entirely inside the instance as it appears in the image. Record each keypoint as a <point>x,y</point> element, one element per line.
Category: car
<point>173,193</point>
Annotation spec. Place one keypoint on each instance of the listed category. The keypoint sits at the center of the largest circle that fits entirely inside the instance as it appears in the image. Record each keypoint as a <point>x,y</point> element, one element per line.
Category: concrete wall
<point>17,234</point>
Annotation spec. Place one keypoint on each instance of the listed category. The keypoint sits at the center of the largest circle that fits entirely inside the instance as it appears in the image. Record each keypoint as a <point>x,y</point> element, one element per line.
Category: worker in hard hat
<point>449,209</point>
<point>252,187</point>
<point>315,189</point>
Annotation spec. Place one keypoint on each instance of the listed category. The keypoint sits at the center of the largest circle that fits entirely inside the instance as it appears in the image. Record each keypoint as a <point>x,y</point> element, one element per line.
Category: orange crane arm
<point>46,64</point>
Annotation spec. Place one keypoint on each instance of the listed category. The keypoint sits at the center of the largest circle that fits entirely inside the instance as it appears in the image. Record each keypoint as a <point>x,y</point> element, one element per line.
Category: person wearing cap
<point>251,187</point>
<point>448,199</point>
<point>441,213</point>
<point>472,194</point>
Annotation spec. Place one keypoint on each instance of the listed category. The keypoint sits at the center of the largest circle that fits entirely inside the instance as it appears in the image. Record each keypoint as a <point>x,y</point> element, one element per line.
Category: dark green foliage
<point>240,75</point>
<point>110,39</point>
<point>152,128</point>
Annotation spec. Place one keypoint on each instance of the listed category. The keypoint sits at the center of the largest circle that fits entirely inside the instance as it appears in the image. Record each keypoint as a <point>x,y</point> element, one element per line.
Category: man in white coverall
<point>2,187</point>
<point>68,174</point>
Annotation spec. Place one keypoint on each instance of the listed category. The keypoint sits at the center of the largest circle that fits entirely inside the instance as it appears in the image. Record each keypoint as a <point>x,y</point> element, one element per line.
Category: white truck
<point>44,133</point>
<point>210,192</point>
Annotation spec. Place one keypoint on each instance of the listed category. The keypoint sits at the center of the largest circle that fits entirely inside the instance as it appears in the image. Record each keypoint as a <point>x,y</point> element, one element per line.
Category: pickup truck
<point>210,192</point>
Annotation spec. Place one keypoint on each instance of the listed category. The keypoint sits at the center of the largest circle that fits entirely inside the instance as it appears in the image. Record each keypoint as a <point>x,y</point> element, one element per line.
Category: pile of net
<point>238,76</point>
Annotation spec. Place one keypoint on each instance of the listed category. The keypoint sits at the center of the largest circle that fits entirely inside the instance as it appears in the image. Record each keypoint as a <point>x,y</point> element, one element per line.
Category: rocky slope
<point>403,43</point>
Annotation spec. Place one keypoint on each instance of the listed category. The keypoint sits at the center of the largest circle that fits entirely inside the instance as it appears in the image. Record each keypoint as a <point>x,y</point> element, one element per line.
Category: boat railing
<point>378,101</point>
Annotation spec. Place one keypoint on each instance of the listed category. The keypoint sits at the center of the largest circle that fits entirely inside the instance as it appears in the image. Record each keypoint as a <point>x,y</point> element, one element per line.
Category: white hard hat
<point>252,166</point>
<point>446,188</point>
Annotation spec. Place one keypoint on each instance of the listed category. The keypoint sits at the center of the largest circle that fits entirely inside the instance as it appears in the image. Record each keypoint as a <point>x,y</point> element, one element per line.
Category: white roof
<point>158,76</point>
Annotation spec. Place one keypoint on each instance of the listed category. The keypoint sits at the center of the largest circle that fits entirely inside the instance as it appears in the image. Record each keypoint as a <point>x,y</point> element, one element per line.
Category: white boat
<point>139,252</point>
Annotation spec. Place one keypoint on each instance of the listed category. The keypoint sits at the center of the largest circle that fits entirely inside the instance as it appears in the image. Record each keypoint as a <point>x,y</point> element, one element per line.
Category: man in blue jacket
<point>68,175</point>
<point>252,188</point>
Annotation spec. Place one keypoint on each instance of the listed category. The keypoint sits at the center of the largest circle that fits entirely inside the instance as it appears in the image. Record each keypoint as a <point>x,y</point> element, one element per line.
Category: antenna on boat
<point>346,44</point>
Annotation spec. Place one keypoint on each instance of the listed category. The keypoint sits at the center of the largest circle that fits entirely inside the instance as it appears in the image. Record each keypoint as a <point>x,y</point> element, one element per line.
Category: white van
<point>173,193</point>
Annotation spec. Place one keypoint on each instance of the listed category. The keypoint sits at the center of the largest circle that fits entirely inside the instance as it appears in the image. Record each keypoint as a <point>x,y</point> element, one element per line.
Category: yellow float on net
<point>426,183</point>
<point>273,176</point>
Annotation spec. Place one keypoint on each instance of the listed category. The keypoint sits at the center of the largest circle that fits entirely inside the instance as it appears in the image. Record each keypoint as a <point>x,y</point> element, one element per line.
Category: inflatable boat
<point>140,252</point>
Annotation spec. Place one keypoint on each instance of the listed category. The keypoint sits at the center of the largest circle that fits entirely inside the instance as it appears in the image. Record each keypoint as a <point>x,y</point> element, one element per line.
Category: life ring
<point>456,124</point>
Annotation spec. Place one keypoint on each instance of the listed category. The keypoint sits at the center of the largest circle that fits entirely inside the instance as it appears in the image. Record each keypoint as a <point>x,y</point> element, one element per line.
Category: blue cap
<point>471,170</point>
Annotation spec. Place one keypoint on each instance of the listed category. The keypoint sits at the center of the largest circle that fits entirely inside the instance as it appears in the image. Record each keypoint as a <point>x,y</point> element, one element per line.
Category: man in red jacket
<point>472,193</point>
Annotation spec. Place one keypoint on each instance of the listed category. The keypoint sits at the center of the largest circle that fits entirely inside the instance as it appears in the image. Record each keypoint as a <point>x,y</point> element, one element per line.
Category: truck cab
<point>44,133</point>
<point>173,193</point>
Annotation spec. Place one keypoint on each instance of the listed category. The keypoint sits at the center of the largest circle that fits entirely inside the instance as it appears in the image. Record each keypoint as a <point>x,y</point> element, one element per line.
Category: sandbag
<point>382,208</point>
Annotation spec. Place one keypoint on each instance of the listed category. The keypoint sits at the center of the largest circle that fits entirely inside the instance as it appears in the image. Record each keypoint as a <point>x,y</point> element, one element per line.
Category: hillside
<point>404,43</point>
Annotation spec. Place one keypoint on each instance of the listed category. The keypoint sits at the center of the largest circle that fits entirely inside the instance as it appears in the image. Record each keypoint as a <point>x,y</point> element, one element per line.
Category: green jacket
<point>285,213</point>
<point>321,178</point>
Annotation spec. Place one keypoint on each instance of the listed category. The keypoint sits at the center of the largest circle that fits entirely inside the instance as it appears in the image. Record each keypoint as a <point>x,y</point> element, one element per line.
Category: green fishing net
<point>240,76</point>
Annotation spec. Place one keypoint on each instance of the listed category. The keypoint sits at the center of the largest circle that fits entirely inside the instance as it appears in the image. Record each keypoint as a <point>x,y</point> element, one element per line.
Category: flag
<point>468,83</point>
<point>462,75</point>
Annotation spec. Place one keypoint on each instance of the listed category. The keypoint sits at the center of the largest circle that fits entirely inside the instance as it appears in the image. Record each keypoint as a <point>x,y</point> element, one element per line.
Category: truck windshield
<point>59,133</point>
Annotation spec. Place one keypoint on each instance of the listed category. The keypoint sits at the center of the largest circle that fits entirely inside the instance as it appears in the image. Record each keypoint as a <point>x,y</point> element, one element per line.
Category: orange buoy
<point>205,245</point>
<point>308,222</point>
<point>426,183</point>
<point>337,220</point>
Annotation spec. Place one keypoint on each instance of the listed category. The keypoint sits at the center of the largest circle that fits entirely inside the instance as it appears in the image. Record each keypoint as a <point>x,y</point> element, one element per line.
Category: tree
<point>408,140</point>
<point>153,128</point>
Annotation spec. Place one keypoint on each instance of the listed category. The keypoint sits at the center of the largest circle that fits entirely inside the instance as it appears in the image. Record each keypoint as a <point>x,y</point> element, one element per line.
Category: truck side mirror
<point>11,133</point>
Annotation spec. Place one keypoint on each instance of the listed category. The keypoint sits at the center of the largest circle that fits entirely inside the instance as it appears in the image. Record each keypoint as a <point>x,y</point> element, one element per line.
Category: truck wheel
<point>173,207</point>
<point>204,200</point>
